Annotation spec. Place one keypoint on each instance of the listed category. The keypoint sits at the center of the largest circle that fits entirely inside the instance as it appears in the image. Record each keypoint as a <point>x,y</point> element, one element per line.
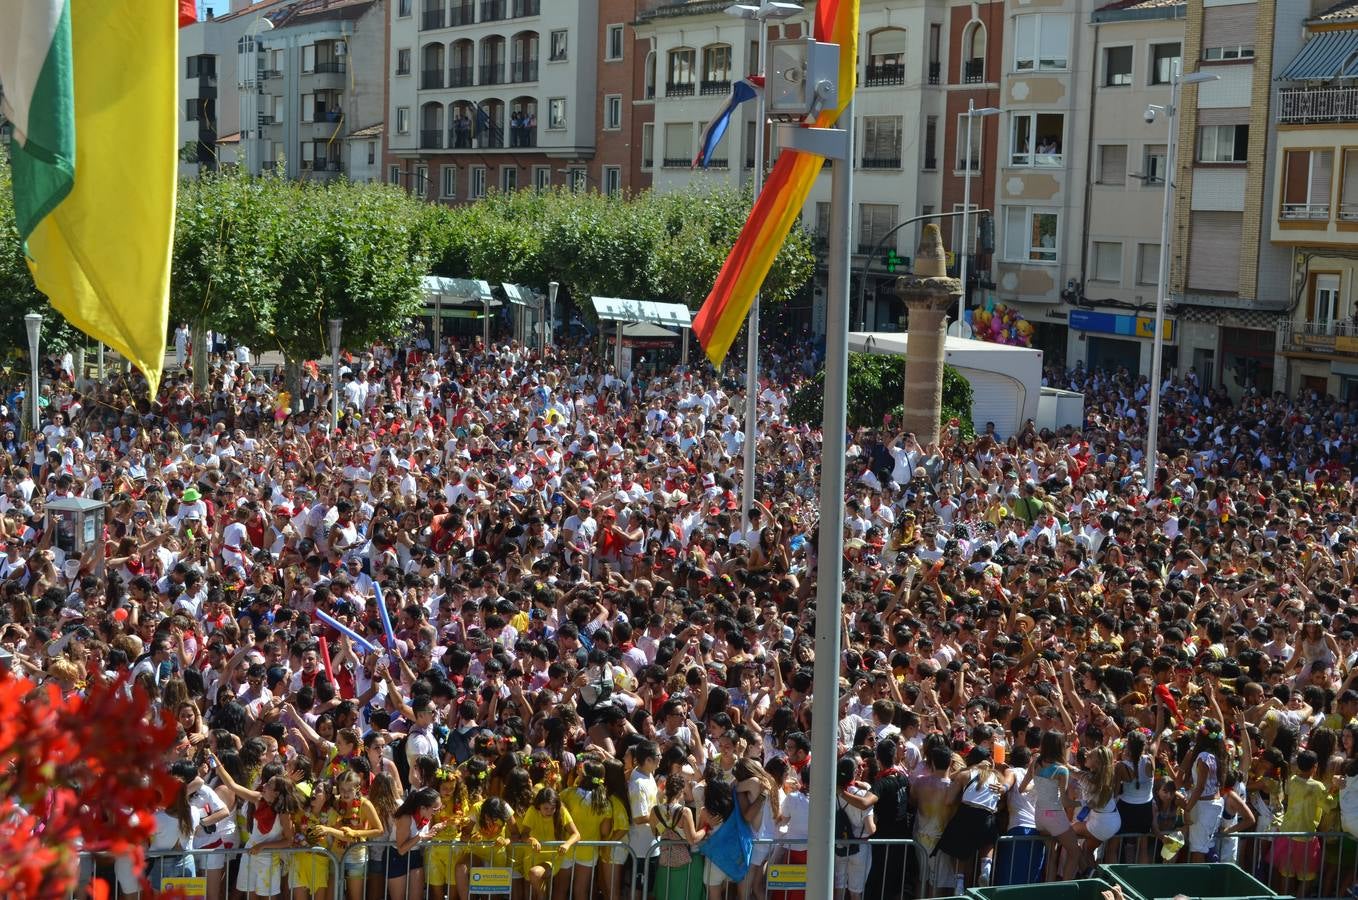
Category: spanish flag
<point>92,92</point>
<point>779,204</point>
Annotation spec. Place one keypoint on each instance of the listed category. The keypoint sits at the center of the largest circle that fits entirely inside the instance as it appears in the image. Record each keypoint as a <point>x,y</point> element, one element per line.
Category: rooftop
<point>368,131</point>
<point>677,8</point>
<point>1345,10</point>
<point>1135,10</point>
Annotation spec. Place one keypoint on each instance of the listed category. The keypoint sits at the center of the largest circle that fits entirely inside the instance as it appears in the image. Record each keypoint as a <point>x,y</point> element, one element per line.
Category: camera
<point>1149,114</point>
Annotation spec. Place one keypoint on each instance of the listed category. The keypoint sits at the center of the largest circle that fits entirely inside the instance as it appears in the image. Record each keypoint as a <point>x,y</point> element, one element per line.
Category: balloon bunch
<point>1001,324</point>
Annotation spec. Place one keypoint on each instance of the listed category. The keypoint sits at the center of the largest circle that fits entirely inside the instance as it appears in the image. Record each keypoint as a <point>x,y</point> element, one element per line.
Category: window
<point>478,182</point>
<point>1029,234</point>
<point>1307,184</point>
<point>679,73</point>
<point>1227,54</point>
<point>973,53</point>
<point>613,44</point>
<point>968,157</point>
<point>1117,67</point>
<point>1108,261</point>
<point>1348,187</point>
<point>1041,42</point>
<point>277,110</point>
<point>309,108</point>
<point>716,69</point>
<point>1148,264</point>
<point>1165,62</point>
<point>648,145</point>
<point>403,10</point>
<point>403,61</point>
<point>394,175</point>
<point>612,112</point>
<point>556,114</point>
<point>191,109</point>
<point>448,182</point>
<point>874,221</point>
<point>542,177</point>
<point>931,143</point>
<point>421,180</point>
<point>1153,166</point>
<point>612,180</point>
<point>577,179</point>
<point>822,222</point>
<point>558,45</point>
<point>678,145</point>
<point>1223,143</point>
<point>403,120</point>
<point>1113,164</point>
<point>1037,139</point>
<point>372,152</point>
<point>1324,306</point>
<point>309,58</point>
<point>509,179</point>
<point>881,142</point>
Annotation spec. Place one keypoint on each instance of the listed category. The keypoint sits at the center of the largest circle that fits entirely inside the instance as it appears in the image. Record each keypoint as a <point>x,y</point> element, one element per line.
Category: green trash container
<point>1079,889</point>
<point>1210,880</point>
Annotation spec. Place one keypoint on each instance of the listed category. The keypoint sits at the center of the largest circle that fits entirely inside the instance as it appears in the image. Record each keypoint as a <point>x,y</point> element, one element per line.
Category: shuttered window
<point>1214,251</point>
<point>1148,264</point>
<point>1113,164</point>
<point>1227,26</point>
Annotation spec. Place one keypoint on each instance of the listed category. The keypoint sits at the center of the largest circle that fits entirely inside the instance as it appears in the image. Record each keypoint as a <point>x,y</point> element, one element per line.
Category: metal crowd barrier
<point>216,874</point>
<point>1299,864</point>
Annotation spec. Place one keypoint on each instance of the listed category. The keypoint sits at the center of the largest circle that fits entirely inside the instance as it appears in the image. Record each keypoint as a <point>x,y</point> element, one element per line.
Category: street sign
<point>787,877</point>
<point>486,880</point>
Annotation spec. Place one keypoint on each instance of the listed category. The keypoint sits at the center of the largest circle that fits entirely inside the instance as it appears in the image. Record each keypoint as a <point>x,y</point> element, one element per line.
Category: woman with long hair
<point>309,873</point>
<point>1099,784</point>
<point>620,823</point>
<point>489,840</point>
<point>385,796</point>
<point>760,796</point>
<point>405,860</point>
<point>545,821</point>
<point>353,819</point>
<point>271,828</point>
<point>592,809</point>
<point>175,824</point>
<point>224,835</point>
<point>1135,803</point>
<point>681,872</point>
<point>719,804</point>
<point>1050,777</point>
<point>1201,777</point>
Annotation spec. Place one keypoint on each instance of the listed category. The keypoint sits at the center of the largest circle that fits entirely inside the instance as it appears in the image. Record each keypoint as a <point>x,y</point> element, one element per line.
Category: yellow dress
<point>441,859</point>
<point>622,823</point>
<point>589,821</point>
<point>306,869</point>
<point>535,825</point>
<point>485,848</point>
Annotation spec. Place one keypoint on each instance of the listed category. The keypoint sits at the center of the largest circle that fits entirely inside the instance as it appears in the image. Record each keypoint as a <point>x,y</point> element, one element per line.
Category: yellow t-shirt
<point>535,825</point>
<point>589,821</point>
<point>1306,800</point>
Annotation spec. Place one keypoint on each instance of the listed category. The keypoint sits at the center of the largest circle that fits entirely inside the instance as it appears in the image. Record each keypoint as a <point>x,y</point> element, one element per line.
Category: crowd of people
<point>508,615</point>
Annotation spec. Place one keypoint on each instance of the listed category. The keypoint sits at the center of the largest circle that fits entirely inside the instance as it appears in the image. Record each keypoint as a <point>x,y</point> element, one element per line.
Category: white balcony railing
<point>1297,106</point>
<point>1306,212</point>
<point>1348,212</point>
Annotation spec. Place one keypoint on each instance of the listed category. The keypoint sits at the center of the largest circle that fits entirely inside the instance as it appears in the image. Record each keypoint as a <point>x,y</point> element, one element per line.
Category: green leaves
<point>18,294</point>
<point>876,388</point>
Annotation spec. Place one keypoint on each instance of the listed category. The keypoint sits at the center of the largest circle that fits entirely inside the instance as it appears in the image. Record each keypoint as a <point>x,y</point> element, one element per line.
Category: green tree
<point>875,387</point>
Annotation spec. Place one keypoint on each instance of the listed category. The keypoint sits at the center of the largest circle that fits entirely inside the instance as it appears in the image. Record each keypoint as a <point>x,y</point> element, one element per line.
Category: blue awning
<point>1327,55</point>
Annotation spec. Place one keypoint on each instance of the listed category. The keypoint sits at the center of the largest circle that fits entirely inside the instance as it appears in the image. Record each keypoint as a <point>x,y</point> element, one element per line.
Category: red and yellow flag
<point>779,204</point>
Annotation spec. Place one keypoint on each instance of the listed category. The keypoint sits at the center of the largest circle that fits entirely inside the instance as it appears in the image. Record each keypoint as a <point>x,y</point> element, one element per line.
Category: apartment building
<point>490,94</point>
<point>1137,51</point>
<point>1312,213</point>
<point>625,111</point>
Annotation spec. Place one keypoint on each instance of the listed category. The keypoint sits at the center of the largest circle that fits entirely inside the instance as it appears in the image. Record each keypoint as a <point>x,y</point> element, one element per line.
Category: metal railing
<point>935,72</point>
<point>264,872</point>
<point>1348,212</point>
<point>524,70</point>
<point>881,162</point>
<point>1298,106</point>
<point>431,19</point>
<point>1293,212</point>
<point>679,88</point>
<point>493,10</point>
<point>461,76</point>
<point>330,67</point>
<point>884,74</point>
<point>461,14</point>
<point>431,138</point>
<point>431,79</point>
<point>973,71</point>
<point>676,162</point>
<point>493,73</point>
<point>714,86</point>
<point>527,8</point>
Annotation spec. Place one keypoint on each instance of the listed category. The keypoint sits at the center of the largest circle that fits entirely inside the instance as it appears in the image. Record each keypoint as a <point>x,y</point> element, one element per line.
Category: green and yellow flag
<point>91,90</point>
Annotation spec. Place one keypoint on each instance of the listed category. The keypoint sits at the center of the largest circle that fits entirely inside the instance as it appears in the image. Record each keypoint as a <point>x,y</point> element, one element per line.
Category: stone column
<point>928,294</point>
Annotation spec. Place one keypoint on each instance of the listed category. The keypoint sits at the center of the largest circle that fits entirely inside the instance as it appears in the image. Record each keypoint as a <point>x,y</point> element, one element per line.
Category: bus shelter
<point>623,313</point>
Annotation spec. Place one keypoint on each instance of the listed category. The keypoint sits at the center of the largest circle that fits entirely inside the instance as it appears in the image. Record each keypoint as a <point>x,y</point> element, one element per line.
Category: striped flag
<point>779,205</point>
<point>94,158</point>
<point>743,90</point>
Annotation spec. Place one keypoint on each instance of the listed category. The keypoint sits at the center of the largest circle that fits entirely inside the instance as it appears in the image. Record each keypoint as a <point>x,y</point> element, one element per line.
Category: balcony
<point>270,73</point>
<point>881,162</point>
<point>461,76</point>
<point>461,14</point>
<point>935,72</point>
<point>1338,338</point>
<point>523,8</point>
<point>431,139</point>
<point>884,74</point>
<point>431,79</point>
<point>973,71</point>
<point>524,70</point>
<point>493,10</point>
<point>432,19</point>
<point>714,87</point>
<point>647,162</point>
<point>207,85</point>
<point>494,73</point>
<point>679,89</point>
<point>1306,212</point>
<point>717,162</point>
<point>1348,212</point>
<point>931,162</point>
<point>330,67</point>
<point>1314,106</point>
<point>676,162</point>
<point>323,165</point>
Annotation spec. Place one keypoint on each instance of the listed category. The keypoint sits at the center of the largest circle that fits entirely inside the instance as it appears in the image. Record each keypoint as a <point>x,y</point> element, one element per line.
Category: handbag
<point>730,847</point>
<point>674,852</point>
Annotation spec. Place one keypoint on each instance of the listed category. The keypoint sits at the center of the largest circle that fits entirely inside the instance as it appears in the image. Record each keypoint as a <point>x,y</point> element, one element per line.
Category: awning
<point>614,309</point>
<point>516,296</point>
<point>456,288</point>
<point>1327,55</point>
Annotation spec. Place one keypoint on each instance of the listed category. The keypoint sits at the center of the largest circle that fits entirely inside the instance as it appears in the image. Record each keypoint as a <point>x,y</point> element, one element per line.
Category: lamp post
<point>250,95</point>
<point>972,115</point>
<point>552,288</point>
<point>336,329</point>
<point>1162,292</point>
<point>33,323</point>
<point>760,14</point>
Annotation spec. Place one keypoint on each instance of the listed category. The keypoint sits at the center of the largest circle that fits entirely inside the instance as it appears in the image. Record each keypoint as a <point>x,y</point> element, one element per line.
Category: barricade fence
<point>1294,864</point>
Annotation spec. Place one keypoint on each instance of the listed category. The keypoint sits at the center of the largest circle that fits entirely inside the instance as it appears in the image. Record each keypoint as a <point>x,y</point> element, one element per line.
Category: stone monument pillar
<point>928,294</point>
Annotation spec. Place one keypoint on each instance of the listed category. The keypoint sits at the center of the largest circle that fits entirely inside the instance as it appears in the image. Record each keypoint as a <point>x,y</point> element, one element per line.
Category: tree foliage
<point>876,387</point>
<point>666,247</point>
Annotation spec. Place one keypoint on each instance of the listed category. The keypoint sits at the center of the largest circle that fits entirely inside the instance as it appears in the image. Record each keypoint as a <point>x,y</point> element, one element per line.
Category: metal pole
<point>617,352</point>
<point>552,288</point>
<point>485,324</point>
<point>1158,341</point>
<point>100,362</point>
<point>966,219</point>
<point>881,242</point>
<point>752,335</point>
<point>336,330</point>
<point>820,868</point>
<point>33,322</point>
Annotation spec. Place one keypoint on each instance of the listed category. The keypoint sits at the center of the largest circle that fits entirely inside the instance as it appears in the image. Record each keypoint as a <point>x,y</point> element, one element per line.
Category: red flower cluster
<point>76,773</point>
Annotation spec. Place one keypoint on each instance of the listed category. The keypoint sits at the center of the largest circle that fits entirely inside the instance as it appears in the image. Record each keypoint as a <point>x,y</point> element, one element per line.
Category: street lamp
<point>336,328</point>
<point>1158,342</point>
<point>33,322</point>
<point>552,288</point>
<point>759,13</point>
<point>250,96</point>
<point>972,115</point>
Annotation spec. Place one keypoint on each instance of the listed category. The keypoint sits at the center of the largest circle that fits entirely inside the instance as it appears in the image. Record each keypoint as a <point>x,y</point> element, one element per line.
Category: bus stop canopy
<point>466,290</point>
<point>616,309</point>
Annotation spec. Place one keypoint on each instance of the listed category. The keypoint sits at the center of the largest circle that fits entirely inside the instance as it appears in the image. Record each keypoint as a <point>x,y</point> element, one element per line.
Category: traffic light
<point>891,261</point>
<point>986,239</point>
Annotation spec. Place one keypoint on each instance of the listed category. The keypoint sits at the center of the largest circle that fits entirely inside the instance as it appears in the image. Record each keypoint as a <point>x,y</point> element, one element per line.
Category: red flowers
<point>76,773</point>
